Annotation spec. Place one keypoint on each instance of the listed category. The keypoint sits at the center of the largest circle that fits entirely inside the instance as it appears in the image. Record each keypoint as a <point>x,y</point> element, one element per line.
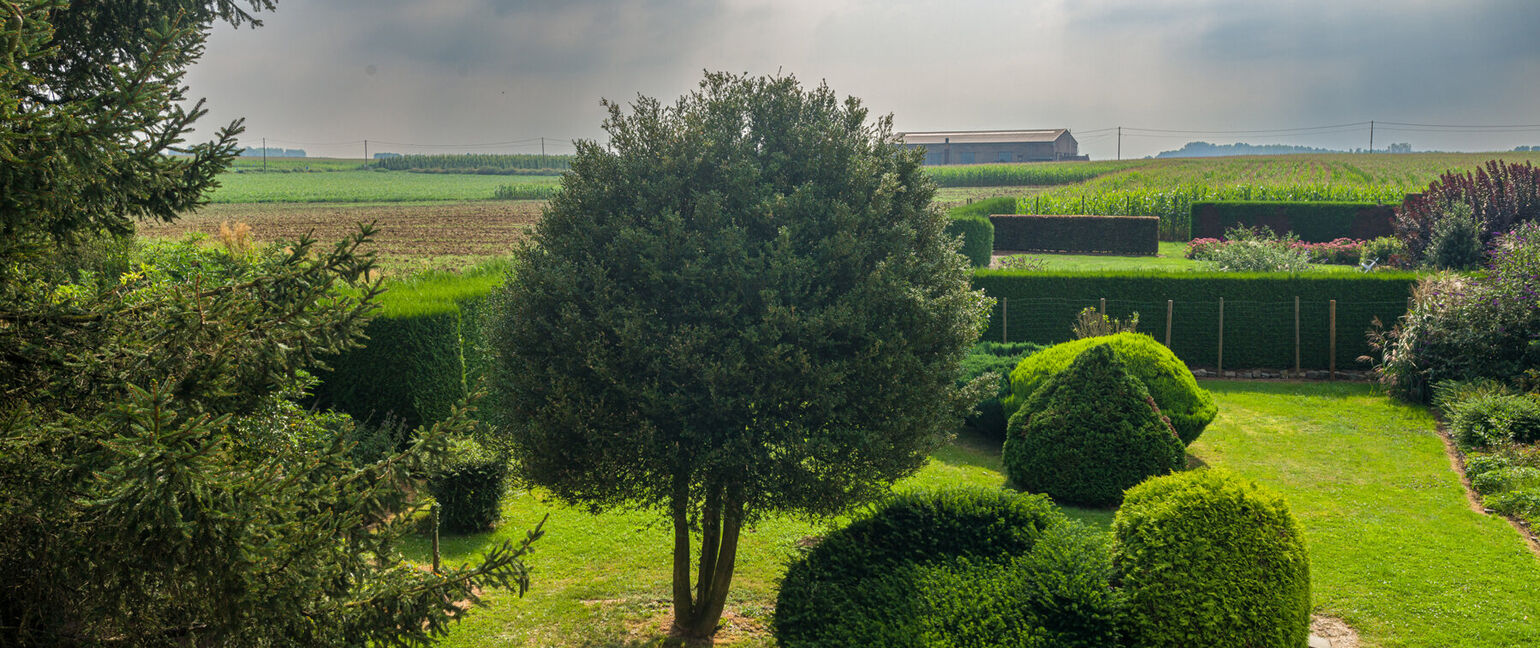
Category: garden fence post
<point>1103,307</point>
<point>435,537</point>
<point>1220,369</point>
<point>1333,333</point>
<point>1296,337</point>
<point>1169,305</point>
<point>1005,303</point>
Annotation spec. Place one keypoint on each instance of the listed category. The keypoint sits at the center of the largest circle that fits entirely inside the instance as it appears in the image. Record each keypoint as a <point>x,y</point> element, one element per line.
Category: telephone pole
<point>542,153</point>
<point>264,155</point>
<point>366,151</point>
<point>1371,136</point>
<point>1120,143</point>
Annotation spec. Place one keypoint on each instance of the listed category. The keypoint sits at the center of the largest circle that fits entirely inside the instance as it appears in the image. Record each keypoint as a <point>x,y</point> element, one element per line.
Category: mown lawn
<point>1395,549</point>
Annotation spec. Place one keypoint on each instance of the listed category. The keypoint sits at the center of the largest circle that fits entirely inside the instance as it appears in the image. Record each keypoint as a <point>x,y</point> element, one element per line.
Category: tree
<point>158,485</point>
<point>742,304</point>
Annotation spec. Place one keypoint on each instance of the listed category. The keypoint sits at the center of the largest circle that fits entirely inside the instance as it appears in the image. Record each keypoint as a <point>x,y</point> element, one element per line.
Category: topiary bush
<point>1091,432</point>
<point>469,488</point>
<point>952,568</point>
<point>1189,407</point>
<point>978,238</point>
<point>1206,558</point>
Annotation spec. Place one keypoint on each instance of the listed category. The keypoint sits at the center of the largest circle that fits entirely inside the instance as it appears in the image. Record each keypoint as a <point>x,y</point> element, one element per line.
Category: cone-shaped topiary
<point>1189,407</point>
<point>1089,433</point>
<point>1209,559</point>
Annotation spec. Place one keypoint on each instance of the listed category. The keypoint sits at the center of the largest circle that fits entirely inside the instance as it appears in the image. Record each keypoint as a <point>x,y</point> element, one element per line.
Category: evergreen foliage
<point>996,358</point>
<point>952,568</point>
<point>1208,559</point>
<point>469,488</point>
<point>1089,433</point>
<point>158,485</point>
<point>1189,407</point>
<point>742,303</point>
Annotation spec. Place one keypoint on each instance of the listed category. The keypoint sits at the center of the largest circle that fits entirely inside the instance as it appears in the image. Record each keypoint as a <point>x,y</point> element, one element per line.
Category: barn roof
<point>985,137</point>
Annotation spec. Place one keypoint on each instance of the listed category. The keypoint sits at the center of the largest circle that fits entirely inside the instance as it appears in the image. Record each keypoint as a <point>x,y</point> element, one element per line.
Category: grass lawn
<point>1395,549</point>
<point>1170,258</point>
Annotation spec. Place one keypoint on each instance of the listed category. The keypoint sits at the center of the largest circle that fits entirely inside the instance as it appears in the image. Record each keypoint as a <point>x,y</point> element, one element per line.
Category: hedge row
<point>971,221</point>
<point>422,350</point>
<point>1313,222</point>
<point>1131,235</point>
<point>1040,307</point>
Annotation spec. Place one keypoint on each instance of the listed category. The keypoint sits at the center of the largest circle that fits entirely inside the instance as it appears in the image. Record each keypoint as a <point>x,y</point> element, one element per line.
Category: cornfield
<point>478,163</point>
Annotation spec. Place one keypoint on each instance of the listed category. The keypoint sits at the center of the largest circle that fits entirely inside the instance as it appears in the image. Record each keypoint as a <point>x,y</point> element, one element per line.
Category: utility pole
<point>1120,143</point>
<point>542,153</point>
<point>1371,136</point>
<point>366,152</point>
<point>264,155</point>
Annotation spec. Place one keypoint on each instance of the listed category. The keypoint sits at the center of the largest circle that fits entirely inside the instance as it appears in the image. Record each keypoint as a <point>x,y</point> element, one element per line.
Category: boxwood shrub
<point>1189,407</point>
<point>954,568</point>
<point>1089,433</point>
<point>988,417</point>
<point>469,488</point>
<point>1208,559</point>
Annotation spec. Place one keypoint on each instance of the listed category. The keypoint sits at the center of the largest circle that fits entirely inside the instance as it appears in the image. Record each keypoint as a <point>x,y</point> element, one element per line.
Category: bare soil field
<point>410,237</point>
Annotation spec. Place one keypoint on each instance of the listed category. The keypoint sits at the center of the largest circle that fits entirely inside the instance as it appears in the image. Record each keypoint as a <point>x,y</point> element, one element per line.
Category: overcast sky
<point>325,74</point>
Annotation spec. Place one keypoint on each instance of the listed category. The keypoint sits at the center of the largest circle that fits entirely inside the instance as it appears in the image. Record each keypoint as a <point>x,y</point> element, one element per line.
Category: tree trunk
<point>696,617</point>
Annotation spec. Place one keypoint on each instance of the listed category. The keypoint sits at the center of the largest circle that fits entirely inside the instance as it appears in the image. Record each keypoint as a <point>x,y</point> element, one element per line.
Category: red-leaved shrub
<point>1502,195</point>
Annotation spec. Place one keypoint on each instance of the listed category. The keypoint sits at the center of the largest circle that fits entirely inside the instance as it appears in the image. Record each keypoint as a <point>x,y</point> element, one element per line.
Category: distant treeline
<point>1205,149</point>
<point>478,163</point>
<point>252,151</point>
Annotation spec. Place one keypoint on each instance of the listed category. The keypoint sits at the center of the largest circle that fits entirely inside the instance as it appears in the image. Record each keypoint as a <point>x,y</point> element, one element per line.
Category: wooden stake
<point>1296,336</point>
<point>1169,306</point>
<point>1220,370</point>
<point>1333,333</point>
<point>435,537</point>
<point>1103,307</point>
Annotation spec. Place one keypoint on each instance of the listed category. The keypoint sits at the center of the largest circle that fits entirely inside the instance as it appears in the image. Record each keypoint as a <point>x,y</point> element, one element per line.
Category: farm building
<point>981,147</point>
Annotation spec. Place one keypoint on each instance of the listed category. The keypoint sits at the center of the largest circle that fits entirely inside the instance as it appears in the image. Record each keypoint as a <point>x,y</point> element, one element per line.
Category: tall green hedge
<point>423,349</point>
<point>1313,222</point>
<point>1131,235</point>
<point>971,221</point>
<point>1040,307</point>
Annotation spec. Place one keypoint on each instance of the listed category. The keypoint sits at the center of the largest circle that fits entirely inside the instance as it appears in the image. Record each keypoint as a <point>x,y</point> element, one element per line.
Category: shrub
<point>1199,248</point>
<point>1342,251</point>
<point>1258,250</point>
<point>1523,504</point>
<point>1386,251</point>
<point>1208,559</point>
<point>962,567</point>
<point>1093,323</point>
<point>469,488</point>
<point>1450,396</point>
<point>1461,328</point>
<point>1505,479</point>
<point>1494,420</point>
<point>1456,240</point>
<point>988,416</point>
<point>1023,262</point>
<point>1501,195</point>
<point>1089,433</point>
<point>1190,408</point>
<point>978,238</point>
<point>1312,221</point>
<point>1134,235</point>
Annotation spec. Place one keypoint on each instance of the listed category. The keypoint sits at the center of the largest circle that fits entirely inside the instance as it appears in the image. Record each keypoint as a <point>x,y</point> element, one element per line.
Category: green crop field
<point>364,186</point>
<point>1167,188</point>
<point>246,164</point>
<point>1039,174</point>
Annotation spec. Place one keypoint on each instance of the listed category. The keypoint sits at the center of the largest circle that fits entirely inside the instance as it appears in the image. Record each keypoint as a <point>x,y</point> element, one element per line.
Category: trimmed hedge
<point>961,567</point>
<point>469,489</point>
<point>1129,235</point>
<point>1190,408</point>
<point>978,238</point>
<point>410,368</point>
<point>1313,222</point>
<point>988,417</point>
<point>1091,432</point>
<point>1208,559</point>
<point>1258,319</point>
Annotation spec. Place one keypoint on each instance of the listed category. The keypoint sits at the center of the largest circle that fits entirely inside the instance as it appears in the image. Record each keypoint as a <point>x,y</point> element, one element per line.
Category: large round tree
<point>742,303</point>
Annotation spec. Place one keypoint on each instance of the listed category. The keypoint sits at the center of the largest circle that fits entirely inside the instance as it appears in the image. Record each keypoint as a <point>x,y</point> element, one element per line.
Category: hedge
<point>1040,307</point>
<point>421,349</point>
<point>1129,235</point>
<point>1313,222</point>
<point>978,239</point>
<point>469,489</point>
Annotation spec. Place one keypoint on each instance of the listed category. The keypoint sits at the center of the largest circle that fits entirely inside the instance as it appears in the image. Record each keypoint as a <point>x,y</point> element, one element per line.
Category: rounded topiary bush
<point>1189,407</point>
<point>1205,558</point>
<point>954,568</point>
<point>1089,433</point>
<point>469,489</point>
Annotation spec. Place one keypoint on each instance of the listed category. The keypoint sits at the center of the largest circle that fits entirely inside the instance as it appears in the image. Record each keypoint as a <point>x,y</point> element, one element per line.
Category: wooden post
<point>1296,337</point>
<point>1004,323</point>
<point>435,537</point>
<point>1103,307</point>
<point>1333,334</point>
<point>1169,306</point>
<point>1220,370</point>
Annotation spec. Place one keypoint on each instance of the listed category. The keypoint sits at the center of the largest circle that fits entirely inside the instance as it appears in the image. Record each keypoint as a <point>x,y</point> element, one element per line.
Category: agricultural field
<point>1396,549</point>
<point>369,187</point>
<point>1037,174</point>
<point>246,164</point>
<point>410,238</point>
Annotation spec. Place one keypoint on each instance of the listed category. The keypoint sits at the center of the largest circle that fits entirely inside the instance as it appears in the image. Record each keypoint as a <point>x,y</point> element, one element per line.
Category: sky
<point>430,76</point>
